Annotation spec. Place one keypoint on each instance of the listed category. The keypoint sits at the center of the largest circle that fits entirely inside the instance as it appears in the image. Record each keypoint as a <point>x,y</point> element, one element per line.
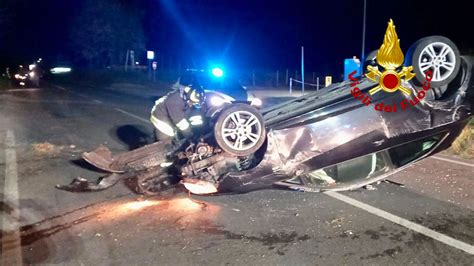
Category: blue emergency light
<point>217,72</point>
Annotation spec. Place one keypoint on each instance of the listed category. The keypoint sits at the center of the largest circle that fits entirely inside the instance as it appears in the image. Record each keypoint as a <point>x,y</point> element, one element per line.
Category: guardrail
<point>317,85</point>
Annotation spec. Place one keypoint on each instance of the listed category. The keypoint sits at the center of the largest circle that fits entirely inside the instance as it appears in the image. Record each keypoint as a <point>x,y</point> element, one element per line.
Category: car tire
<point>240,130</point>
<point>436,53</point>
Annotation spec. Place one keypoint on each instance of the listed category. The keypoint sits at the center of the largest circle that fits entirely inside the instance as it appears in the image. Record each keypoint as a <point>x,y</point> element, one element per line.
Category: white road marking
<point>132,115</point>
<point>78,94</point>
<point>11,241</point>
<point>24,89</point>
<point>117,109</point>
<point>59,87</point>
<point>404,222</point>
<point>452,161</point>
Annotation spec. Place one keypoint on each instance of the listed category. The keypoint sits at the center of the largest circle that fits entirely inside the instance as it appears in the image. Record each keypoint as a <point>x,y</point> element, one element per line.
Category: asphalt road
<point>43,132</point>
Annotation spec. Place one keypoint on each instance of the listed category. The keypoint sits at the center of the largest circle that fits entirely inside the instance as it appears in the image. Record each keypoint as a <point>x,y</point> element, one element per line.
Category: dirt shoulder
<point>464,144</point>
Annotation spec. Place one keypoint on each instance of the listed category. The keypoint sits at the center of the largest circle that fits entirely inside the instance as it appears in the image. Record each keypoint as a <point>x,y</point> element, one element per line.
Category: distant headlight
<point>256,102</point>
<point>18,76</point>
<point>59,70</point>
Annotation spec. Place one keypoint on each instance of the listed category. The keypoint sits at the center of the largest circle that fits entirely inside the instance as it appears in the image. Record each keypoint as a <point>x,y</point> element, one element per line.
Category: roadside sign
<point>328,80</point>
<point>150,55</point>
<point>154,65</point>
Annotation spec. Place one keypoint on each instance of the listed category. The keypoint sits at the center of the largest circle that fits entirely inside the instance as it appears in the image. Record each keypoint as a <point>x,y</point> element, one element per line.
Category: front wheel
<point>240,130</point>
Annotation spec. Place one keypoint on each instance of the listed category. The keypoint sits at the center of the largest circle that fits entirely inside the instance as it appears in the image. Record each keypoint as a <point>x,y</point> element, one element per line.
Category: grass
<point>464,144</point>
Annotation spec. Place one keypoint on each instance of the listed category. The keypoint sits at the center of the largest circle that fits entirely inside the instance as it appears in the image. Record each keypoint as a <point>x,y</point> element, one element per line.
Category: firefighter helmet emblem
<point>390,58</point>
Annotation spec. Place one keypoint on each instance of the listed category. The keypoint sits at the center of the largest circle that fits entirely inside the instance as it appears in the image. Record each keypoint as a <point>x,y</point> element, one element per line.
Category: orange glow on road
<point>180,211</point>
<point>120,210</point>
<point>186,205</point>
<point>137,205</point>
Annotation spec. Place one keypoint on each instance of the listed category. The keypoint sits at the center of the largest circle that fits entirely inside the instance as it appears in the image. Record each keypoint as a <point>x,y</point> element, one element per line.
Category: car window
<point>411,151</point>
<point>359,168</point>
<point>369,166</point>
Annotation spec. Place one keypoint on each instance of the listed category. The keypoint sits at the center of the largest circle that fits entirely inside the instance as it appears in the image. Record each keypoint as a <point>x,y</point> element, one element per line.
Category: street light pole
<point>302,69</point>
<point>362,57</point>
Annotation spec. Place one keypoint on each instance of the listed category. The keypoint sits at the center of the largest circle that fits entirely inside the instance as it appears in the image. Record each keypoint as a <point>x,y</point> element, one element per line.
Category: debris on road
<point>46,148</point>
<point>336,222</point>
<point>370,187</point>
<point>394,183</point>
<point>348,232</point>
<point>80,184</point>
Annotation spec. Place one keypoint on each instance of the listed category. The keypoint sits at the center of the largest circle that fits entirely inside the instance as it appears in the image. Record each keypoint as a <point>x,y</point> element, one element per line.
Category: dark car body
<point>328,140</point>
<point>225,85</point>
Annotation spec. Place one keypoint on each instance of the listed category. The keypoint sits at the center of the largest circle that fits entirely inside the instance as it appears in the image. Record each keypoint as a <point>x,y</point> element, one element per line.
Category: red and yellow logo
<point>389,74</point>
<point>390,58</point>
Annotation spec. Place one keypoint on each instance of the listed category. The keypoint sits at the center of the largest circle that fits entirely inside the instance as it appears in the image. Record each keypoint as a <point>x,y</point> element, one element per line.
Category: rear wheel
<point>240,130</point>
<point>438,54</point>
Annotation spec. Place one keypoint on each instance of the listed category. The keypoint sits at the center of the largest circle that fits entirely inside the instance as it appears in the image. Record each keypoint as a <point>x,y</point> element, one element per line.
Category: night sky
<point>247,34</point>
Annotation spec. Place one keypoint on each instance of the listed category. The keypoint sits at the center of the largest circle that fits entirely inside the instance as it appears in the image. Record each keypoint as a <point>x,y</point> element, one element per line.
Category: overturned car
<point>342,137</point>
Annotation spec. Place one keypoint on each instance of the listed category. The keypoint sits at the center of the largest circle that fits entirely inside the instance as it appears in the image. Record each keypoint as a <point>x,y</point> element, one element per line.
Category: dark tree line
<point>5,23</point>
<point>104,30</point>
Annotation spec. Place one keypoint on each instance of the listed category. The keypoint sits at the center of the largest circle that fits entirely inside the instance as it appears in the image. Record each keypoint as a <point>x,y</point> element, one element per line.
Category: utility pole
<point>126,60</point>
<point>362,57</point>
<point>291,86</point>
<point>302,69</point>
<point>132,59</point>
